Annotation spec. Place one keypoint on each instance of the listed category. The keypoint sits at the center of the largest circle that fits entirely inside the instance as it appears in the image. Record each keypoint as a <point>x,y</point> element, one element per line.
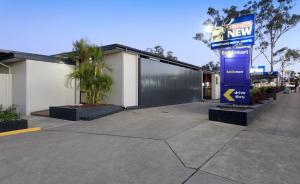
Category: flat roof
<point>10,56</point>
<point>148,54</point>
<point>118,47</point>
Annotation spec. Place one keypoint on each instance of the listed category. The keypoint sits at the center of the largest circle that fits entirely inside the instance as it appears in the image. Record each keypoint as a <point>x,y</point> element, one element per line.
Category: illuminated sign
<point>231,32</point>
<point>257,70</point>
<point>235,78</point>
<point>233,95</point>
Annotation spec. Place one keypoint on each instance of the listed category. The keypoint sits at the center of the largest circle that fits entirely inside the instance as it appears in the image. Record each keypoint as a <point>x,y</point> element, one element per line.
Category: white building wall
<point>216,87</point>
<point>115,61</point>
<point>18,71</point>
<point>5,90</point>
<point>46,85</point>
<point>125,79</point>
<point>130,79</point>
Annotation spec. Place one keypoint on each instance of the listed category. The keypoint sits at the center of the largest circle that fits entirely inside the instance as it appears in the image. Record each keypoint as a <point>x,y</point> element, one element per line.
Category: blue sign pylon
<point>235,75</point>
<point>233,37</point>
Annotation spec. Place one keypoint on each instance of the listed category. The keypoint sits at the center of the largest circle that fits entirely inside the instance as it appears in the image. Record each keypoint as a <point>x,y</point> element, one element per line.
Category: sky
<point>50,26</point>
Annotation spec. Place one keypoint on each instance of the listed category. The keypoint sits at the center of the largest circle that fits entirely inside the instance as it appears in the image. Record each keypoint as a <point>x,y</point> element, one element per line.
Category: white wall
<point>124,90</point>
<point>130,79</point>
<point>46,85</point>
<point>125,79</point>
<point>216,87</point>
<point>18,71</point>
<point>5,90</point>
<point>115,61</point>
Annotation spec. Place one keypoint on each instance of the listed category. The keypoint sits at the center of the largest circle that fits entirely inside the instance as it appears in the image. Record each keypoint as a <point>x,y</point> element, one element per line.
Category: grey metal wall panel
<point>166,84</point>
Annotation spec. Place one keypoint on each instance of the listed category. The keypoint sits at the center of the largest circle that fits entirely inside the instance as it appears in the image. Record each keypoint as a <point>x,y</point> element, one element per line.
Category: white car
<point>290,85</point>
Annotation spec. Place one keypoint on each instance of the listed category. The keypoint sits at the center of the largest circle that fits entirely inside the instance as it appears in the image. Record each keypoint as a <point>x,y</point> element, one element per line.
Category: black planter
<point>86,113</point>
<point>238,115</point>
<point>13,125</point>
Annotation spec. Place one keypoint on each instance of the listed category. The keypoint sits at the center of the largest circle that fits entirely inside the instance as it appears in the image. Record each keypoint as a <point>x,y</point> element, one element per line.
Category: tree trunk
<point>272,57</point>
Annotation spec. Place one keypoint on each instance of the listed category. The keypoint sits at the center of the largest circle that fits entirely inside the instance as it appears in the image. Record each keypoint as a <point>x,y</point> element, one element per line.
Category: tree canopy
<point>159,51</point>
<point>89,71</point>
<point>272,20</point>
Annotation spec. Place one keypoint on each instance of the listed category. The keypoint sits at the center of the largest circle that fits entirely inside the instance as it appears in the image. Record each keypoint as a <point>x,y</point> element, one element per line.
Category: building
<point>140,79</point>
<point>211,85</point>
<point>149,80</point>
<point>34,82</point>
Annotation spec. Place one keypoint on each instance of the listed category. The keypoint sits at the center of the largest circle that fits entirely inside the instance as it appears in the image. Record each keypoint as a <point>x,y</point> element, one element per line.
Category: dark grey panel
<point>166,84</point>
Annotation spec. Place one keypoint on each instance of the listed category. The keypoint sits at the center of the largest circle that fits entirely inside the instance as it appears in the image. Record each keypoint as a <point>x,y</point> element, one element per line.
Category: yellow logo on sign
<point>227,95</point>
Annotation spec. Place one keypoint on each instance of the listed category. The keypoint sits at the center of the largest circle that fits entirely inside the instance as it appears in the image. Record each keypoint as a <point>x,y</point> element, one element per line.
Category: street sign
<point>228,96</point>
<point>232,32</point>
<point>235,77</point>
<point>235,95</point>
<point>257,70</point>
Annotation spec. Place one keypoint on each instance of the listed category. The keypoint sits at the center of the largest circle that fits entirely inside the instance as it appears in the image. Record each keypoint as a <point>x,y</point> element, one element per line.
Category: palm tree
<point>91,70</point>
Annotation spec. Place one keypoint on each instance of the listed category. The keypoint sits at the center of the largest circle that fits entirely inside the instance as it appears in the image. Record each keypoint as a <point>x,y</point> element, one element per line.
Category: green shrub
<point>9,113</point>
<point>263,89</point>
<point>254,91</point>
<point>270,90</point>
<point>258,95</point>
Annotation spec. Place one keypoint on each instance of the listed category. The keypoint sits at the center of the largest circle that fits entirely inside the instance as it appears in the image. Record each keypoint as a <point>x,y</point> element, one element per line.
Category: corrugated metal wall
<point>5,90</point>
<point>166,84</point>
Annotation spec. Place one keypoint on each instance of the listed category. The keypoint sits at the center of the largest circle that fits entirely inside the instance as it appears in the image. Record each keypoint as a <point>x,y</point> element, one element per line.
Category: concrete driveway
<point>171,144</point>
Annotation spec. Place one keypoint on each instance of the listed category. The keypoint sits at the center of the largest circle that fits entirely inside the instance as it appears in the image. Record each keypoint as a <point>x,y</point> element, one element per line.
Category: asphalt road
<point>165,145</point>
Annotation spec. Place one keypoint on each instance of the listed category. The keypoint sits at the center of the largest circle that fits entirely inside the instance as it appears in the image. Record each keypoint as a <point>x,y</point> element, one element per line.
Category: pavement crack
<point>228,179</point>
<point>105,134</point>
<point>133,137</point>
<point>190,176</point>
<point>223,146</point>
<point>181,161</point>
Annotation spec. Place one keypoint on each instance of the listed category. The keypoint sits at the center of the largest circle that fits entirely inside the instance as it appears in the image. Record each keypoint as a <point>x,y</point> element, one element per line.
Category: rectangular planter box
<point>238,116</point>
<point>13,125</point>
<point>86,113</point>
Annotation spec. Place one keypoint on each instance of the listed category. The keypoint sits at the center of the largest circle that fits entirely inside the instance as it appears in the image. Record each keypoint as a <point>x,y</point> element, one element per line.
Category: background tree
<point>151,50</point>
<point>272,20</point>
<point>212,66</point>
<point>170,55</point>
<point>91,70</point>
<point>158,50</point>
<point>286,57</point>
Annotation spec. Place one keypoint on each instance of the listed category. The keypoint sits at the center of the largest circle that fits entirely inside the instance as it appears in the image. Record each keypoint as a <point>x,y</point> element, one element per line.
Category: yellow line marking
<point>34,129</point>
<point>227,95</point>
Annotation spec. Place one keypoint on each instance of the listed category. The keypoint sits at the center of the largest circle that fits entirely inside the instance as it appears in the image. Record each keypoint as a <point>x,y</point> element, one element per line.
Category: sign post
<point>233,38</point>
<point>235,77</point>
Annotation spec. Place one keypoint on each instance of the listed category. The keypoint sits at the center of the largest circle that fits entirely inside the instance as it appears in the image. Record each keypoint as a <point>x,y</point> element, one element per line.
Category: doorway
<point>207,85</point>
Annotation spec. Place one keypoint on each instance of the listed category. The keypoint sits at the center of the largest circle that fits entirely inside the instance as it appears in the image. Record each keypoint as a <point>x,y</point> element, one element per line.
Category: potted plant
<point>91,70</point>
<point>95,81</point>
<point>11,120</point>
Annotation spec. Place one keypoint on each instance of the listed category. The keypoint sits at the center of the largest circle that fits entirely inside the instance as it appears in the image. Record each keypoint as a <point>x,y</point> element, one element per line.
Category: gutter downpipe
<point>8,67</point>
